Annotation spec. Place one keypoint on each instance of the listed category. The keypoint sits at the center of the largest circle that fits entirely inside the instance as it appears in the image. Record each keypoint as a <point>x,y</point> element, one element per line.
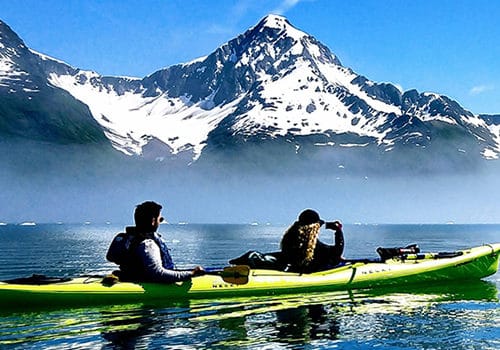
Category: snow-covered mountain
<point>33,108</point>
<point>274,93</point>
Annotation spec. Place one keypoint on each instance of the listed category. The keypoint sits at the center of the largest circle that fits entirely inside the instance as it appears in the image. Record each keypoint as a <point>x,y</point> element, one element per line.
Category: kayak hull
<point>470,264</point>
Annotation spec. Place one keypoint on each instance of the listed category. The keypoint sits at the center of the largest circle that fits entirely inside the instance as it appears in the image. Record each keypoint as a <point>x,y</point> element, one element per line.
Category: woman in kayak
<point>302,251</point>
<point>142,253</point>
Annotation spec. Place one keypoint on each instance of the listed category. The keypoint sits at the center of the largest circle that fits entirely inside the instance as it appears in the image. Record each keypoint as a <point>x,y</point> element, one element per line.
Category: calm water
<point>458,316</point>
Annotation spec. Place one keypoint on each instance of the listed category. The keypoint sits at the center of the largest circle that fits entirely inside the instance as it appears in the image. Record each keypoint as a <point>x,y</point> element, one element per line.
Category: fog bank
<point>73,188</point>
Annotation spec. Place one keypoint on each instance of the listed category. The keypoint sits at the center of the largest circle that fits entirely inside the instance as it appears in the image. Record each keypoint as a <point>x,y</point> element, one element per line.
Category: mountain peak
<point>274,21</point>
<point>280,23</point>
<point>8,36</point>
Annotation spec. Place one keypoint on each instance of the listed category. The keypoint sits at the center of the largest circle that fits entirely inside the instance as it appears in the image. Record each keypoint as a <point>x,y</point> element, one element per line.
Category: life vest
<point>119,249</point>
<point>122,248</point>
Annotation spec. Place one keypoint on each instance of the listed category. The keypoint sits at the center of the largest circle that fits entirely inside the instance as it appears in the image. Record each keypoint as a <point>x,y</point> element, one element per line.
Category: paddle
<point>232,274</point>
<point>440,255</point>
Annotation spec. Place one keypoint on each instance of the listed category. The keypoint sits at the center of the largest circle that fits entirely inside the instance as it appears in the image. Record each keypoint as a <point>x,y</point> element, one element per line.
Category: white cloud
<point>240,9</point>
<point>479,89</point>
<point>285,6</point>
<point>220,29</point>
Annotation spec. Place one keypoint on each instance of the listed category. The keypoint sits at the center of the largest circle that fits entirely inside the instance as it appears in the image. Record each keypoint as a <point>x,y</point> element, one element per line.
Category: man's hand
<point>198,271</point>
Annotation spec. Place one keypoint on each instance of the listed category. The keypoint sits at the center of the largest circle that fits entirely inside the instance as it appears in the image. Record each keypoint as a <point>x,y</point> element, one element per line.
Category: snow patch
<point>490,154</point>
<point>131,120</point>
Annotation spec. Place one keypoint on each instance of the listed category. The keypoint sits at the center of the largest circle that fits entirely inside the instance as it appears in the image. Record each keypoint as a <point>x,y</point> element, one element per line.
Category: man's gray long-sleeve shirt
<point>149,255</point>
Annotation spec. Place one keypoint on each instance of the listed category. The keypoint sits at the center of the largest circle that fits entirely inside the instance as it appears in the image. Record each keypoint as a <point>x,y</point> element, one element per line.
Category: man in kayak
<point>142,253</point>
<point>302,251</point>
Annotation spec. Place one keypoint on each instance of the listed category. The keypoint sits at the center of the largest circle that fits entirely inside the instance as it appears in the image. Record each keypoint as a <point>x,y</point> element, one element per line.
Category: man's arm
<point>150,255</point>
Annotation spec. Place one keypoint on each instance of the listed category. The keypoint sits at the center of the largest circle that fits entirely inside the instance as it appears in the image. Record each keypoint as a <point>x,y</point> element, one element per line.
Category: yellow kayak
<point>469,264</point>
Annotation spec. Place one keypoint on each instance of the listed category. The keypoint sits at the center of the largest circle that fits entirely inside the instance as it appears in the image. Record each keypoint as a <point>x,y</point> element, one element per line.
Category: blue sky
<point>450,47</point>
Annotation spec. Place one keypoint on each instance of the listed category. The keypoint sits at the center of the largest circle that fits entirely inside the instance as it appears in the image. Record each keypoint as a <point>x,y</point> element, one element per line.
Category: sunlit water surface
<point>451,316</point>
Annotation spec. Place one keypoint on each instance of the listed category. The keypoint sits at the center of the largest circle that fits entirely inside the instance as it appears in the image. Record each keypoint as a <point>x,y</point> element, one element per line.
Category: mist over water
<point>75,186</point>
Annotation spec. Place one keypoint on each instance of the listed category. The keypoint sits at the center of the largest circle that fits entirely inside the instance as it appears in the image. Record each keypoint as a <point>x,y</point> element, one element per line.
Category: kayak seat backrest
<point>258,260</point>
<point>38,280</point>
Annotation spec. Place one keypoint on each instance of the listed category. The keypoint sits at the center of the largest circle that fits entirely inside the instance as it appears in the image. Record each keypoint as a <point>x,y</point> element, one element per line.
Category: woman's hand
<point>335,225</point>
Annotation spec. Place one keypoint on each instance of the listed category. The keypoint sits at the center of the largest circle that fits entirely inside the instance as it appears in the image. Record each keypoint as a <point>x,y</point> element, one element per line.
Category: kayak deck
<point>474,263</point>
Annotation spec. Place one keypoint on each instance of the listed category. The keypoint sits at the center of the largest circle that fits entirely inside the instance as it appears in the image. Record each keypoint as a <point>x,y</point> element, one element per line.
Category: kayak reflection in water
<point>142,253</point>
<point>302,251</point>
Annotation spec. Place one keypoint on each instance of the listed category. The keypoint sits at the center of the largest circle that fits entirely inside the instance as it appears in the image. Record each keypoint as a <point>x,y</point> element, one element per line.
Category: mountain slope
<point>32,108</point>
<point>274,93</point>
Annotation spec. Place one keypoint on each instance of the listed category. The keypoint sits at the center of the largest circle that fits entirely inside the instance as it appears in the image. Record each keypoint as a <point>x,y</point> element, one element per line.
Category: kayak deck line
<point>473,263</point>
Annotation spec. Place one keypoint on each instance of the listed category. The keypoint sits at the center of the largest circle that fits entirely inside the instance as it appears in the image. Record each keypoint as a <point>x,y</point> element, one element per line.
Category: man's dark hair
<point>145,213</point>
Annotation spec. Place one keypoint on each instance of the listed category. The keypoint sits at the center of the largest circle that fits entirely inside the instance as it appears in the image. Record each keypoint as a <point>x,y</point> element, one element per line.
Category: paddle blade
<point>234,274</point>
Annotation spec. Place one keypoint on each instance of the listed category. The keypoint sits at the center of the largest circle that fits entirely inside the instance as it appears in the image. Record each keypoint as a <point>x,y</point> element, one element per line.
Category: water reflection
<point>307,323</point>
<point>137,332</point>
<point>414,318</point>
